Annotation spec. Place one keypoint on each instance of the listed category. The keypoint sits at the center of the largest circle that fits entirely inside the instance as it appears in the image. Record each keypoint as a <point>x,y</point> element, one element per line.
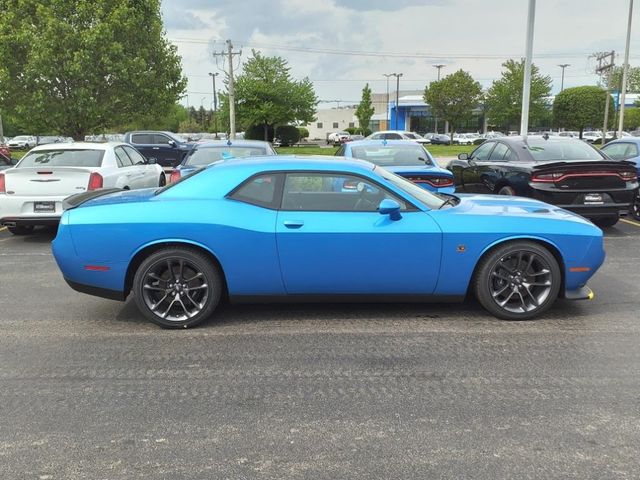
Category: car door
<point>148,173</point>
<point>332,240</point>
<point>471,173</point>
<point>169,155</point>
<point>128,176</point>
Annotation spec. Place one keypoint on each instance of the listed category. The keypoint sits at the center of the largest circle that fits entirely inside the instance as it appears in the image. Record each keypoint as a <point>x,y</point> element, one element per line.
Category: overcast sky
<point>343,44</point>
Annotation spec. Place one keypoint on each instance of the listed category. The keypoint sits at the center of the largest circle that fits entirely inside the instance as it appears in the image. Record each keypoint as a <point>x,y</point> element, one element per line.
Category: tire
<point>21,229</point>
<point>163,180</point>
<point>168,303</point>
<point>509,291</point>
<point>606,222</point>
<point>635,207</point>
<point>507,190</point>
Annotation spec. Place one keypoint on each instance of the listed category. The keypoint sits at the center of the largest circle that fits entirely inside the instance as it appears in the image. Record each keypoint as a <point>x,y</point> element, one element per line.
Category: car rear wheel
<point>177,287</point>
<point>635,207</point>
<point>605,222</point>
<point>21,229</point>
<point>507,190</point>
<point>163,180</point>
<point>517,281</point>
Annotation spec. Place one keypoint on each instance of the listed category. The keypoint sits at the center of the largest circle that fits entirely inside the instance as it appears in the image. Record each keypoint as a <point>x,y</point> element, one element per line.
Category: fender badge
<point>461,248</point>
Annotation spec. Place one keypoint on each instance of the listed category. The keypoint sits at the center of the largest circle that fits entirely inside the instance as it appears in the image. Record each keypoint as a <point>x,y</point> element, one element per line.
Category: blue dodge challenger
<point>275,228</point>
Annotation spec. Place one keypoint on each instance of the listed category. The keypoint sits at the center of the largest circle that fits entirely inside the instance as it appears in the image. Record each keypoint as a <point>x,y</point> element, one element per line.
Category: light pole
<point>397,75</point>
<point>388,75</point>
<point>625,71</point>
<point>439,66</point>
<point>563,66</point>
<point>526,84</point>
<point>215,103</point>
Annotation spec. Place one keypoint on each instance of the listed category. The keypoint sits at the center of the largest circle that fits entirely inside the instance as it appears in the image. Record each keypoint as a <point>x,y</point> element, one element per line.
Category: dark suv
<point>166,148</point>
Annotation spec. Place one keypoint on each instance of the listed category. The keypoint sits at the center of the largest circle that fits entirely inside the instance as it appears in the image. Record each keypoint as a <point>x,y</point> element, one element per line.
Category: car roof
<point>381,143</point>
<point>295,162</point>
<point>519,140</point>
<point>630,139</point>
<point>231,143</point>
<point>79,146</point>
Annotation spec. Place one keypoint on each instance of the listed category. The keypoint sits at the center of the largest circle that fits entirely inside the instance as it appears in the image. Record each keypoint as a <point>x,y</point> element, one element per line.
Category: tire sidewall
<point>489,261</point>
<point>208,269</point>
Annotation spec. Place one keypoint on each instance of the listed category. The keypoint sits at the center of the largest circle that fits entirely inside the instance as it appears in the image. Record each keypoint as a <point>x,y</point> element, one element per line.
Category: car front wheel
<point>635,207</point>
<point>163,180</point>
<point>177,287</point>
<point>517,281</point>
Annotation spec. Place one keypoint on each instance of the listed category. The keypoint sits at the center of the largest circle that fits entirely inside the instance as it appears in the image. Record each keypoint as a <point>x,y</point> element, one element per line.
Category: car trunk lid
<point>47,181</point>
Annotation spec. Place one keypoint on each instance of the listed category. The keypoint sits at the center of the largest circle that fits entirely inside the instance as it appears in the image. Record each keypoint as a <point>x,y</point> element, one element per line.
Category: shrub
<point>304,133</point>
<point>256,132</point>
<point>288,135</point>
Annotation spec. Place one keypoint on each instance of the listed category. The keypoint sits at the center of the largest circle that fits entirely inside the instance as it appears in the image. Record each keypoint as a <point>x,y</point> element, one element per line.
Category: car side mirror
<point>463,156</point>
<point>172,143</point>
<point>391,208</point>
<point>150,161</point>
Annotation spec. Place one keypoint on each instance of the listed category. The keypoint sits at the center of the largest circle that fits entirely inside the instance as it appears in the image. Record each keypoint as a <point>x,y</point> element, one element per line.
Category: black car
<point>166,148</point>
<point>440,139</point>
<point>6,162</point>
<point>565,172</point>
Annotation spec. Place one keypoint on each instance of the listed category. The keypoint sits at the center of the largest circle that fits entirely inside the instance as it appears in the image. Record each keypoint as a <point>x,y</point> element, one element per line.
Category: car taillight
<point>629,176</point>
<point>95,181</point>
<point>175,176</point>
<point>3,188</point>
<point>440,181</point>
<point>547,177</point>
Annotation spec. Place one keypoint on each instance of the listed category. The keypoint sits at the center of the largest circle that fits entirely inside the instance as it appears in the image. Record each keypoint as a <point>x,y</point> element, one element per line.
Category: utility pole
<point>388,75</point>
<point>397,75</point>
<point>625,70</point>
<point>215,104</point>
<point>439,67</point>
<point>526,87</point>
<point>605,66</point>
<point>563,66</point>
<point>232,94</point>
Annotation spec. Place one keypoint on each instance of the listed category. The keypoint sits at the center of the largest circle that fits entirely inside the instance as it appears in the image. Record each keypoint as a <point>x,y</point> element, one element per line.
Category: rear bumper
<point>29,221</point>
<point>616,202</point>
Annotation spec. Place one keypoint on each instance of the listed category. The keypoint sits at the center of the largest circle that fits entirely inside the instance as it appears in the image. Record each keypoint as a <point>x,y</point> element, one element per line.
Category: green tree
<point>78,66</point>
<point>267,96</point>
<point>631,118</point>
<point>633,79</point>
<point>453,98</point>
<point>504,97</point>
<point>365,109</point>
<point>581,107</point>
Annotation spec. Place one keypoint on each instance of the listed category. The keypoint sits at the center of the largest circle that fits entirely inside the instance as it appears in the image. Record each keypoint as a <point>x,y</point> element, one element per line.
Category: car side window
<point>375,136</point>
<point>122,158</point>
<point>142,138</point>
<point>134,155</point>
<point>340,151</point>
<point>260,190</point>
<point>499,152</point>
<point>621,151</point>
<point>159,139</point>
<point>333,192</point>
<point>482,152</point>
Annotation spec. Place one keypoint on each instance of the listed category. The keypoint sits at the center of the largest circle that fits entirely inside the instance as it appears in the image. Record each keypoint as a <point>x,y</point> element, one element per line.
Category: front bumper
<point>583,293</point>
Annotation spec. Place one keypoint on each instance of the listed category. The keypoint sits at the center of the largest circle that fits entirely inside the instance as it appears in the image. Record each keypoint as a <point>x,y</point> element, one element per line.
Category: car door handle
<point>293,223</point>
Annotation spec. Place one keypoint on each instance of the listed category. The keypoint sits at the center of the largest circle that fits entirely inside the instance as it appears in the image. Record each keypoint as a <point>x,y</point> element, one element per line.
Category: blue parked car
<point>204,154</point>
<point>405,158</point>
<point>274,228</point>
<point>626,148</point>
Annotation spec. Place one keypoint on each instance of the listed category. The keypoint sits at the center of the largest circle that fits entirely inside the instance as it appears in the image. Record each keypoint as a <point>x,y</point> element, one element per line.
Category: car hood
<point>419,169</point>
<point>507,206</point>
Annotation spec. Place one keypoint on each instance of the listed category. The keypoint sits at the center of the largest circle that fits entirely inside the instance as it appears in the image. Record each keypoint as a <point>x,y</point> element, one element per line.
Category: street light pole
<point>563,66</point>
<point>215,104</point>
<point>387,118</point>
<point>526,87</point>
<point>438,66</point>
<point>625,70</point>
<point>397,75</point>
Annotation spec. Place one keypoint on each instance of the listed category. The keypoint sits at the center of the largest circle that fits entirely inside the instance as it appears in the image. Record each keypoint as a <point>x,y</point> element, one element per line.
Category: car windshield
<point>393,155</point>
<point>62,158</point>
<point>545,150</point>
<point>429,199</point>
<point>205,156</point>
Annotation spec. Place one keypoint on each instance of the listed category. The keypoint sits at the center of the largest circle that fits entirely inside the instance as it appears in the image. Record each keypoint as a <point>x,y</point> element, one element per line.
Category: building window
<point>335,125</point>
<point>319,124</point>
<point>352,124</point>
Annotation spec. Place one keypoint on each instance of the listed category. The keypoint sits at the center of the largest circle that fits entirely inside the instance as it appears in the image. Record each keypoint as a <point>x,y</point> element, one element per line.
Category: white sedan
<point>31,193</point>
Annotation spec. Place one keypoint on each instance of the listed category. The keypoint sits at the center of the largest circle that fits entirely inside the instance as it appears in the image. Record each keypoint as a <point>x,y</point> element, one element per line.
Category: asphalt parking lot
<point>90,390</point>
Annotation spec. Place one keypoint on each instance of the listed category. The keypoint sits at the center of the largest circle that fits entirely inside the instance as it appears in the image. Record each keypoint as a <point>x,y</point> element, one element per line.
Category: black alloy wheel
<point>177,287</point>
<point>635,207</point>
<point>517,281</point>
